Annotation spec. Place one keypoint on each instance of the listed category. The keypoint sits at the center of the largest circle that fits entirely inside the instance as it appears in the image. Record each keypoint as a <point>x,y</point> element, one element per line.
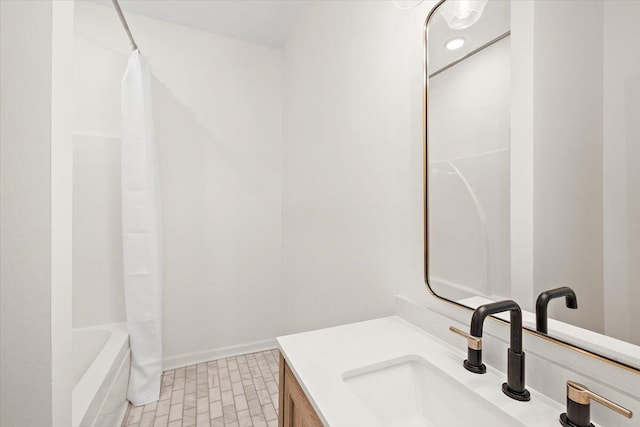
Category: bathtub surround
<point>469,175</point>
<point>96,194</point>
<point>217,105</point>
<point>101,361</point>
<point>141,232</point>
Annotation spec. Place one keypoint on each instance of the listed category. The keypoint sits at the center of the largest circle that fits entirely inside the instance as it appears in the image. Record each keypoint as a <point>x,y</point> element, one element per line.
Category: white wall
<point>568,156</point>
<point>35,195</point>
<point>585,137</point>
<point>61,208</point>
<point>521,149</point>
<point>25,132</point>
<point>218,112</point>
<point>353,161</point>
<point>621,176</point>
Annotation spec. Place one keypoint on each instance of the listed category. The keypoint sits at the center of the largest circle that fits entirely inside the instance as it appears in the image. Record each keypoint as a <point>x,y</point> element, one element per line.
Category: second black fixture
<point>542,304</point>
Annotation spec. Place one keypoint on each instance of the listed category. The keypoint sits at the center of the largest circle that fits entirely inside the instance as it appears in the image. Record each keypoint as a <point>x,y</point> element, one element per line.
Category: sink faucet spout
<point>514,387</point>
<point>515,314</point>
<point>542,303</point>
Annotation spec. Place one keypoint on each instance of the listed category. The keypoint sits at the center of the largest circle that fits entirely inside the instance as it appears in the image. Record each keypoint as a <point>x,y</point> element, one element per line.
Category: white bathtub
<point>101,361</point>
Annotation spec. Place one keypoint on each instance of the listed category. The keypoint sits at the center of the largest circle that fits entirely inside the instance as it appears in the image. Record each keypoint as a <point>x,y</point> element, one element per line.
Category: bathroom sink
<point>410,391</point>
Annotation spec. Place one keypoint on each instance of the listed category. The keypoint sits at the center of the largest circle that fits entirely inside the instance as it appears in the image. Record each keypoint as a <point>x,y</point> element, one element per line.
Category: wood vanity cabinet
<point>295,408</point>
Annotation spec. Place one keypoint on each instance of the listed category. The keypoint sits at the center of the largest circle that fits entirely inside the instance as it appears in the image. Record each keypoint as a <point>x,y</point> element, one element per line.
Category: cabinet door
<point>295,408</point>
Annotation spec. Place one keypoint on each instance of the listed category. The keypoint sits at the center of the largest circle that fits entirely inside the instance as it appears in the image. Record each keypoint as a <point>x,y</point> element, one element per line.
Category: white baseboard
<point>218,353</point>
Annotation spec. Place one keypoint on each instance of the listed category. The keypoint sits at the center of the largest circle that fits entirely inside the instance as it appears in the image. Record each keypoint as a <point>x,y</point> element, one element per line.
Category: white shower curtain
<point>141,233</point>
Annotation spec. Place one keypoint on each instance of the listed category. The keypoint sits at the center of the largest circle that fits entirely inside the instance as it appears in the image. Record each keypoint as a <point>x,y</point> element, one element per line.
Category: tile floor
<point>237,391</point>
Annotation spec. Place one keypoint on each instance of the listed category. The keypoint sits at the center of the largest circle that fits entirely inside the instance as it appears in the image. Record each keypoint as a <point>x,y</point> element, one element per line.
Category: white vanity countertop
<point>319,358</point>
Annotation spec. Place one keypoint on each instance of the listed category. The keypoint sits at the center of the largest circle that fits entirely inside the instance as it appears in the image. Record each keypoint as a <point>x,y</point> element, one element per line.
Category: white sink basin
<point>388,373</point>
<point>410,391</point>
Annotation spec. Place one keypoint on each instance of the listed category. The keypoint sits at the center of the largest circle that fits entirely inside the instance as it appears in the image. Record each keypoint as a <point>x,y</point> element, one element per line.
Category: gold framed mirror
<point>499,226</point>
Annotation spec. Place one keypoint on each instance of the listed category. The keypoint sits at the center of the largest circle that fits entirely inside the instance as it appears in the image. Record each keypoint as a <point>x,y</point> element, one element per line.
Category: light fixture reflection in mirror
<point>455,43</point>
<point>461,14</point>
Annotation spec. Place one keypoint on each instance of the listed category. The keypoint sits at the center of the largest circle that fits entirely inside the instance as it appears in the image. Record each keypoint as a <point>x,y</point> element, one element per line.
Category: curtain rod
<point>134,46</point>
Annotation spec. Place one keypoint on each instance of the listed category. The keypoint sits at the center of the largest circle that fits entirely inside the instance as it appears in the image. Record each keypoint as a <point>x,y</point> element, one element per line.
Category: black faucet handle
<point>473,363</point>
<point>579,400</point>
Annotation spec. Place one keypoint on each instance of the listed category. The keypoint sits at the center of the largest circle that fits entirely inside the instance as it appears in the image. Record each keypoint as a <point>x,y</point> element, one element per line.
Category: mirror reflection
<point>532,153</point>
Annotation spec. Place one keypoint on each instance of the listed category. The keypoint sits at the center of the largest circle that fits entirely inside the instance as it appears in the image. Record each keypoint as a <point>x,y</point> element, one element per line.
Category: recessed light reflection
<point>454,44</point>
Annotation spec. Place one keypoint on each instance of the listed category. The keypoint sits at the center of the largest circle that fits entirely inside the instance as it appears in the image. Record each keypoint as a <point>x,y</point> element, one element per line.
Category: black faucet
<point>543,301</point>
<point>514,387</point>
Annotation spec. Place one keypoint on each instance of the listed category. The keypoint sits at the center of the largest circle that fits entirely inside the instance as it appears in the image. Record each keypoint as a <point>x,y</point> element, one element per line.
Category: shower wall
<point>469,210</point>
<point>218,109</point>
